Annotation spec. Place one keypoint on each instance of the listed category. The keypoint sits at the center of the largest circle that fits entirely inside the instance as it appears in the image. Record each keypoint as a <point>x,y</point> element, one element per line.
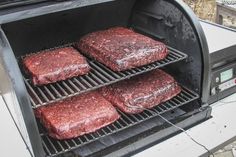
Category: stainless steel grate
<point>55,147</point>
<point>98,77</point>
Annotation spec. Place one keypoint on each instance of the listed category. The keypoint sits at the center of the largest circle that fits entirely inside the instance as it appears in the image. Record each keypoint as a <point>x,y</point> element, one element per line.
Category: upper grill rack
<point>54,147</point>
<point>99,76</point>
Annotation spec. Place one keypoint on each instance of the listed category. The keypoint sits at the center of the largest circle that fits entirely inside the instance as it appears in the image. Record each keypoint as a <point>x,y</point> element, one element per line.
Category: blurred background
<point>212,9</point>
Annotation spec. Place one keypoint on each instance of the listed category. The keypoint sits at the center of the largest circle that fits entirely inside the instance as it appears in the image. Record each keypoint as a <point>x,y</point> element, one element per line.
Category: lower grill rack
<point>55,147</point>
<point>99,76</point>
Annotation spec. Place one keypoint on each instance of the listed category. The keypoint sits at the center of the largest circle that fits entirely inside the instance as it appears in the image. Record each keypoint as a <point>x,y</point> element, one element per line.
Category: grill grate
<point>98,76</point>
<point>54,147</point>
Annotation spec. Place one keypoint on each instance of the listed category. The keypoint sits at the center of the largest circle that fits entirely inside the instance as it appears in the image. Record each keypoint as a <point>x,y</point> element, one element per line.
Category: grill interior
<point>66,22</point>
<point>99,76</point>
<point>54,147</point>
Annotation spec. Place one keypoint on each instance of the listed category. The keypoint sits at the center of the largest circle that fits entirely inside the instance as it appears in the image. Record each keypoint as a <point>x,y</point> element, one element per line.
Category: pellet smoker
<point>30,26</point>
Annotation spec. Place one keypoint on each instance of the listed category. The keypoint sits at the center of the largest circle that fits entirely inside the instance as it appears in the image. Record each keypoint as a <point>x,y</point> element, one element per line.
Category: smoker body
<point>35,27</point>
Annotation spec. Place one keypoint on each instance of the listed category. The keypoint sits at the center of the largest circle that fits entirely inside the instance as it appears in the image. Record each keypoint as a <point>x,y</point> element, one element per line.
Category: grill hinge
<point>205,105</point>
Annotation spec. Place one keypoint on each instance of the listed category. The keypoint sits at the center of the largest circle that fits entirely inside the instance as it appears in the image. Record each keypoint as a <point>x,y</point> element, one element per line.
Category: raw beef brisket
<point>78,115</point>
<point>121,48</point>
<point>144,91</point>
<point>55,65</point>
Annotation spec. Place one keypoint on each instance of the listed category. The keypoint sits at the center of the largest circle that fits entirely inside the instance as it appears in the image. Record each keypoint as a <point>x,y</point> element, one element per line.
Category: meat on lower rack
<point>144,91</point>
<point>77,115</point>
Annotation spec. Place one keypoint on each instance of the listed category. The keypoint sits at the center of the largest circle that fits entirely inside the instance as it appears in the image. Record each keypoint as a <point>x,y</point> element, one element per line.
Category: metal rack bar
<point>126,121</point>
<point>99,76</point>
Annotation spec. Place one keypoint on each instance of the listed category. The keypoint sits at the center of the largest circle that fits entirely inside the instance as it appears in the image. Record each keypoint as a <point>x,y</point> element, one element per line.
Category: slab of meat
<point>144,91</point>
<point>55,65</point>
<point>121,48</point>
<point>78,115</point>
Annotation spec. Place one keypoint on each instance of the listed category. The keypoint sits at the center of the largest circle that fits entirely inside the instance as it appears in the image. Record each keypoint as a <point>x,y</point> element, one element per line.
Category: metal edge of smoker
<point>15,94</point>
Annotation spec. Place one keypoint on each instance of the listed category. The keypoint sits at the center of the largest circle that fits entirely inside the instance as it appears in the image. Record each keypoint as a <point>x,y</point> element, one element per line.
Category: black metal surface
<point>223,57</point>
<point>16,3</point>
<point>52,6</point>
<point>142,136</point>
<point>14,93</point>
<point>65,27</point>
<point>99,76</point>
<point>54,147</point>
<point>216,93</point>
<point>175,23</point>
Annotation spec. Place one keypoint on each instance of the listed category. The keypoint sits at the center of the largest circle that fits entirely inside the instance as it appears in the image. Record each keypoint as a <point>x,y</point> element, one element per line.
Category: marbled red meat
<point>121,48</point>
<point>55,65</point>
<point>144,91</point>
<point>77,116</point>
